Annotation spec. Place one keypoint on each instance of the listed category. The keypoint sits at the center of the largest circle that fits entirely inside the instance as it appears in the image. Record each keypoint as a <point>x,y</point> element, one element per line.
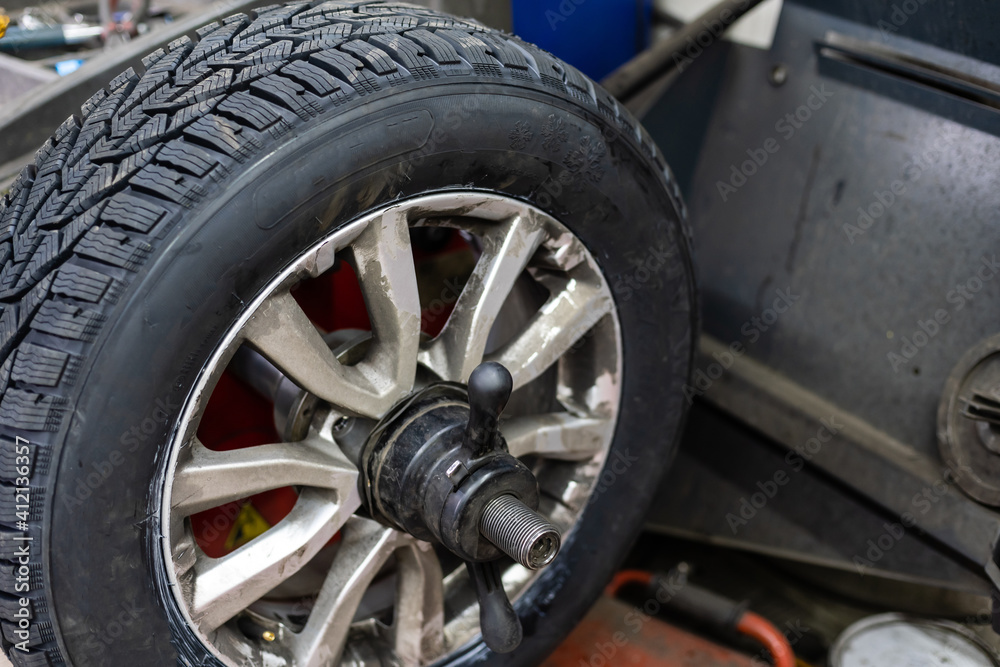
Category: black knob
<point>489,390</point>
<point>498,621</point>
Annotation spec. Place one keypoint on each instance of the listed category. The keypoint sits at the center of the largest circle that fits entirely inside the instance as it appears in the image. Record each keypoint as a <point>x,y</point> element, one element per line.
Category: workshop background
<point>797,217</point>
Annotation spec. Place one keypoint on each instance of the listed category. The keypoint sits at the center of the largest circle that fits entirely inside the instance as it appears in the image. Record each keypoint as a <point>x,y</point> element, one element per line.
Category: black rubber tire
<point>148,222</point>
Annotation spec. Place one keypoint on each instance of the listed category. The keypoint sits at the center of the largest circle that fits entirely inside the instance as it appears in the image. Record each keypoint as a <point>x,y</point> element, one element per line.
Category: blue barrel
<point>595,36</point>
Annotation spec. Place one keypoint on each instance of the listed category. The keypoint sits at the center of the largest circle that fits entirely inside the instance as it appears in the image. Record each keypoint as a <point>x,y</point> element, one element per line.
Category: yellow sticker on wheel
<point>249,524</point>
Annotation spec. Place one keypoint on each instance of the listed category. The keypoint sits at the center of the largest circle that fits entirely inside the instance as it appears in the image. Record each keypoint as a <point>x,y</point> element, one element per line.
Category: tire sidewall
<point>108,586</point>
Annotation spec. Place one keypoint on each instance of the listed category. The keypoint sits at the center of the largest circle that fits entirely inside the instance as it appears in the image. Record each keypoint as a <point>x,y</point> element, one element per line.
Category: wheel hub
<point>438,468</point>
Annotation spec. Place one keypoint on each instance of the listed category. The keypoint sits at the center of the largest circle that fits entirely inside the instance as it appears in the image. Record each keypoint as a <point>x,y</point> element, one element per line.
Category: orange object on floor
<point>614,634</point>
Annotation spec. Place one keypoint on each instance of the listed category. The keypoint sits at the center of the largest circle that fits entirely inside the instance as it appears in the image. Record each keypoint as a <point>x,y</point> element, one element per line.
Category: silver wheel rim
<point>573,340</point>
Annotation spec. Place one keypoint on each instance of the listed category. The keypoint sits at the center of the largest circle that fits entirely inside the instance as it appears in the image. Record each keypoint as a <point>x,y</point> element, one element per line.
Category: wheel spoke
<point>223,587</point>
<point>575,305</point>
<point>383,260</point>
<point>507,247</point>
<point>281,332</point>
<point>558,435</point>
<point>364,549</point>
<point>418,628</point>
<point>209,479</point>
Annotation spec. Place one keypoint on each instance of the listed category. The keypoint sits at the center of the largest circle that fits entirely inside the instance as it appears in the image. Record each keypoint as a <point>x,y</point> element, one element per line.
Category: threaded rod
<point>520,532</point>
